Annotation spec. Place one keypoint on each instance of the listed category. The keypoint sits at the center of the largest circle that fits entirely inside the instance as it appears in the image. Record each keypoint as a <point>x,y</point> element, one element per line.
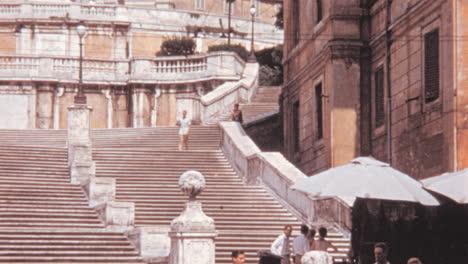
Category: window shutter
<point>319,105</point>
<point>379,97</point>
<point>431,66</point>
<point>296,126</point>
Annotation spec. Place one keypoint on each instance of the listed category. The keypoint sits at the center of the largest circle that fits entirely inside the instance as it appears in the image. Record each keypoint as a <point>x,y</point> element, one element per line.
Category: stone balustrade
<point>225,66</point>
<point>217,65</point>
<point>66,10</point>
<point>215,103</point>
<point>278,175</point>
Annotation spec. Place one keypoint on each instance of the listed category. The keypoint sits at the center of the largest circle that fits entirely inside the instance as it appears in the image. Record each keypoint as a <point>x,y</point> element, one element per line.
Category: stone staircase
<point>246,216</point>
<point>44,218</point>
<point>263,103</point>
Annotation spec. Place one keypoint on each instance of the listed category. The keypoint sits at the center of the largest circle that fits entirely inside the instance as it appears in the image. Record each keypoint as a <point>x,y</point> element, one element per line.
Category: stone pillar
<point>140,107</point>
<point>154,112</point>
<point>110,109</point>
<point>152,242</point>
<point>192,233</point>
<point>99,190</point>
<point>117,216</point>
<point>58,94</point>
<point>44,106</point>
<point>79,144</point>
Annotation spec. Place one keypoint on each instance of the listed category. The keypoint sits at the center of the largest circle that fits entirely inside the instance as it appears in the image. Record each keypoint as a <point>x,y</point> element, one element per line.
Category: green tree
<point>177,47</point>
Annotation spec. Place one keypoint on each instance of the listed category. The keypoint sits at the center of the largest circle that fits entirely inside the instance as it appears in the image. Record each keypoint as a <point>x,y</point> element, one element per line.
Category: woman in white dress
<point>184,130</point>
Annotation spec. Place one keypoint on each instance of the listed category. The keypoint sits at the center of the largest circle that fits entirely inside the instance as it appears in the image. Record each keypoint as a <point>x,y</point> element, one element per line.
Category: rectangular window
<point>431,66</point>
<point>379,97</point>
<point>296,126</point>
<point>319,109</point>
<point>296,29</point>
<point>319,11</point>
<point>199,4</point>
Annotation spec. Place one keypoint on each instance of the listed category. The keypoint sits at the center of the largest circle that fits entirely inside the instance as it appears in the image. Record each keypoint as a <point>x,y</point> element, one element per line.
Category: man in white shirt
<point>380,253</point>
<point>301,244</point>
<point>281,245</point>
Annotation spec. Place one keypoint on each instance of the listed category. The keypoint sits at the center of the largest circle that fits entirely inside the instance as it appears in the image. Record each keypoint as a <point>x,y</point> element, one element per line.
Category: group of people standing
<point>302,244</point>
<point>308,250</point>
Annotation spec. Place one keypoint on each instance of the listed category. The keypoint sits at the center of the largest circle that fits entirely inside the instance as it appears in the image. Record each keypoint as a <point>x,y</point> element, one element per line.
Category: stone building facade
<point>125,83</point>
<point>376,77</point>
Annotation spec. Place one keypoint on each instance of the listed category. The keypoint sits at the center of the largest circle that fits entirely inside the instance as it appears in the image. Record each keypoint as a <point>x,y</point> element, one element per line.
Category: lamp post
<point>80,98</point>
<point>252,57</point>
<point>229,21</point>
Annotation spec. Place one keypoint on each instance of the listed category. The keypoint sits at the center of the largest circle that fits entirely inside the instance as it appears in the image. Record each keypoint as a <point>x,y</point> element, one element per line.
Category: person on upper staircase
<point>184,124</point>
<point>236,114</point>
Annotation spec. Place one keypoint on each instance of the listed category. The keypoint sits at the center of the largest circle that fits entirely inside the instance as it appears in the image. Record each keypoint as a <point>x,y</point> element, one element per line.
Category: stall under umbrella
<point>386,206</point>
<point>368,178</point>
<point>453,185</point>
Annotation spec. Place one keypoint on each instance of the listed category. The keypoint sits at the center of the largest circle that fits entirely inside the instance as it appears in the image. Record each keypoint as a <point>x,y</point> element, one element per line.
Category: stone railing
<point>225,66</point>
<point>65,10</point>
<point>277,174</point>
<point>216,65</point>
<point>221,100</point>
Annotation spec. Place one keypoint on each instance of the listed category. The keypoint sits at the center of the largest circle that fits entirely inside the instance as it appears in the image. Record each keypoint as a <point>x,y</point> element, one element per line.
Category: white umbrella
<point>365,177</point>
<point>453,185</point>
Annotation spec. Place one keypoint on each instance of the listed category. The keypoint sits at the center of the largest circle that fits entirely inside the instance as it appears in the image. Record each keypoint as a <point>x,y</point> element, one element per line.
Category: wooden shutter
<point>431,66</point>
<point>319,110</point>
<point>379,97</point>
<point>296,126</point>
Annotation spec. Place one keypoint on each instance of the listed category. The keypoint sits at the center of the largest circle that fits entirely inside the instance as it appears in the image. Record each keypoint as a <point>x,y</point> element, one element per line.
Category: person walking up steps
<point>184,123</point>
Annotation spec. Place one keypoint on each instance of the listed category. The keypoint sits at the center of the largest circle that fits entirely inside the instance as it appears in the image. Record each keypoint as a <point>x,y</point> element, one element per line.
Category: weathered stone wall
<point>421,132</point>
<point>317,59</point>
<point>343,51</point>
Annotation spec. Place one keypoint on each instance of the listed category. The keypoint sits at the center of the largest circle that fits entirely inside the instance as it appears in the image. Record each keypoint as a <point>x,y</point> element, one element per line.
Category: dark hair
<point>287,226</point>
<point>236,253</point>
<point>381,245</point>
<point>312,232</point>
<point>304,229</point>
<point>323,232</point>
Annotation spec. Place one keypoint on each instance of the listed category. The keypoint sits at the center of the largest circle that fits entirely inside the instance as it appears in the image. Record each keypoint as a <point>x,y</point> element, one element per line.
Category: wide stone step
<point>32,178</point>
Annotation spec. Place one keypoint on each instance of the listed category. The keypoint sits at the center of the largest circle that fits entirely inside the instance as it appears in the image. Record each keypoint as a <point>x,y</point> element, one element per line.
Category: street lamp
<point>80,98</point>
<point>229,20</point>
<point>252,57</point>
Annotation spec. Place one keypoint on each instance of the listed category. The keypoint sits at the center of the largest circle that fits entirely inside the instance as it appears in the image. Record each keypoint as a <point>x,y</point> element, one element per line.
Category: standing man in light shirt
<point>301,244</point>
<point>281,245</point>
<point>184,123</point>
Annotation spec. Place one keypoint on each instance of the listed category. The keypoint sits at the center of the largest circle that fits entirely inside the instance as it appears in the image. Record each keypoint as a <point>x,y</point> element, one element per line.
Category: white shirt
<point>184,124</point>
<point>281,246</point>
<point>300,245</point>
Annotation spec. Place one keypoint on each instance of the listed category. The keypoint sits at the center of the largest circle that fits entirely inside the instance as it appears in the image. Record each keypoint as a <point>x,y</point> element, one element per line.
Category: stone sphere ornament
<point>192,183</point>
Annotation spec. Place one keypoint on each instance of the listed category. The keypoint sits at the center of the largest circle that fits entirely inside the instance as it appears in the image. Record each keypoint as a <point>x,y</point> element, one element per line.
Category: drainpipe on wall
<point>388,45</point>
